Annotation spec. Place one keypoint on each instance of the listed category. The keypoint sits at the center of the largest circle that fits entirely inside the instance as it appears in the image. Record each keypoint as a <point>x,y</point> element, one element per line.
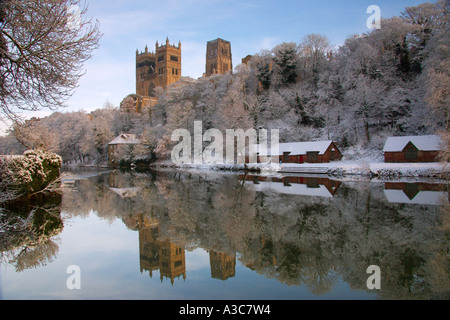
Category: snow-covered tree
<point>285,61</point>
<point>437,73</point>
<point>314,50</point>
<point>36,134</point>
<point>102,131</point>
<point>262,64</point>
<point>43,46</point>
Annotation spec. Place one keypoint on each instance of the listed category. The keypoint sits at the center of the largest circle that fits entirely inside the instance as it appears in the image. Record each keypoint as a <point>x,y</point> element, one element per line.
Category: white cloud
<point>268,43</point>
<point>24,115</point>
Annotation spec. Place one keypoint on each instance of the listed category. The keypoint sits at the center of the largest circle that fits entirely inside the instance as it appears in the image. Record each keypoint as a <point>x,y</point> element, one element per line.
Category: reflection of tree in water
<point>293,238</point>
<point>439,265</point>
<point>33,256</point>
<point>26,233</point>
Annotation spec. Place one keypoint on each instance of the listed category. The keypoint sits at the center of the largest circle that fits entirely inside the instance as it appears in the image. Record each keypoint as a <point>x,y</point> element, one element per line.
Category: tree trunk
<point>366,129</point>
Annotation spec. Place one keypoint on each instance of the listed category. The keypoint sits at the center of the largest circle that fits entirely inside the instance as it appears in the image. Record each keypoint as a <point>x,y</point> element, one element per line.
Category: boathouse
<point>306,152</point>
<point>412,148</point>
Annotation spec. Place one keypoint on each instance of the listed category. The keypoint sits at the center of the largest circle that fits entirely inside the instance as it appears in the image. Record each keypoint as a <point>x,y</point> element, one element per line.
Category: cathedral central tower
<point>218,57</point>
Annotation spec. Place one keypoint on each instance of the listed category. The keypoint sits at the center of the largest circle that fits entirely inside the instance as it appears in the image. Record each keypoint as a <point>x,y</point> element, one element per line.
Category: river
<point>178,235</point>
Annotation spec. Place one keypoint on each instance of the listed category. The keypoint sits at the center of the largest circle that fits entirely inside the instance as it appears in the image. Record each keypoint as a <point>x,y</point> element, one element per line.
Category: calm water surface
<point>196,235</point>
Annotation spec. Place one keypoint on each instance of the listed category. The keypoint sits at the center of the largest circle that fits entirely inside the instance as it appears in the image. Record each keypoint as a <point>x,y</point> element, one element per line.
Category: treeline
<point>76,136</point>
<point>391,81</point>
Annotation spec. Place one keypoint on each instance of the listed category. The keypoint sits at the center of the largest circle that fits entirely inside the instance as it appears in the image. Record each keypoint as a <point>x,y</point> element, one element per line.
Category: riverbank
<point>355,168</point>
<point>28,174</point>
<point>337,169</point>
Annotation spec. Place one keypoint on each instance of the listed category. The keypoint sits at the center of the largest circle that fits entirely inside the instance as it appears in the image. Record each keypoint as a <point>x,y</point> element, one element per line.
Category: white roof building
<point>292,189</point>
<point>125,138</point>
<point>422,197</point>
<point>298,148</point>
<point>423,143</point>
<point>126,192</point>
<point>304,147</point>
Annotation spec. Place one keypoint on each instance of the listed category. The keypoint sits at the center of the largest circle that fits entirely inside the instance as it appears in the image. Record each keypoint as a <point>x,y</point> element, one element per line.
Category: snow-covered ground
<point>432,169</point>
<point>337,168</point>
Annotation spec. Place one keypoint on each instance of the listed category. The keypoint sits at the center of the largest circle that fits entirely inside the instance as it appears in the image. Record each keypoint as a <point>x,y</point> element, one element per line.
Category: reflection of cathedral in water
<point>298,232</point>
<point>169,258</point>
<point>222,265</point>
<point>154,254</point>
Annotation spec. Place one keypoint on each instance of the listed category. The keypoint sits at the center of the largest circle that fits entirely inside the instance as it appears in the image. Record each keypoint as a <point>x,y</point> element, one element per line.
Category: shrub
<point>32,172</point>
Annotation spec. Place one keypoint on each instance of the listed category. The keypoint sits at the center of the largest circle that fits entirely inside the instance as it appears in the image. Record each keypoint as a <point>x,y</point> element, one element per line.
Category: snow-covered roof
<point>423,197</point>
<point>293,189</point>
<point>126,138</point>
<point>296,148</point>
<point>126,192</point>
<point>424,143</point>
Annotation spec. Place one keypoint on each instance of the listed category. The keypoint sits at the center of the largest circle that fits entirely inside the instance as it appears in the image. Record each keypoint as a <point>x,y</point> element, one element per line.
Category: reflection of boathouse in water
<point>416,193</point>
<point>294,185</point>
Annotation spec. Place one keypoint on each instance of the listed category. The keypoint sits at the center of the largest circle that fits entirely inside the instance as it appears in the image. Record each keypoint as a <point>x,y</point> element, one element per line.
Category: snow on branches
<point>30,173</point>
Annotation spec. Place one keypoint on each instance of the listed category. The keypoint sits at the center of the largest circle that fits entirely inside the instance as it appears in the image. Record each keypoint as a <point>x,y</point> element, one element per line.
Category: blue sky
<point>250,26</point>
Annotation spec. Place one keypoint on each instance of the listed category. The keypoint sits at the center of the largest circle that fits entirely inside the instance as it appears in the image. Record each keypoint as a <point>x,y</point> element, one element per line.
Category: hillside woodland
<point>392,81</point>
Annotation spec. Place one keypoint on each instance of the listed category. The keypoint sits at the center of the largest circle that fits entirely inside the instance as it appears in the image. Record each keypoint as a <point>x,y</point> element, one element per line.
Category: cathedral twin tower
<point>157,69</point>
<point>162,67</point>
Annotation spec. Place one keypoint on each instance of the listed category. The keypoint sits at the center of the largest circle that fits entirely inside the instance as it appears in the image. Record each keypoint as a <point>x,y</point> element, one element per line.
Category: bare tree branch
<point>43,46</point>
